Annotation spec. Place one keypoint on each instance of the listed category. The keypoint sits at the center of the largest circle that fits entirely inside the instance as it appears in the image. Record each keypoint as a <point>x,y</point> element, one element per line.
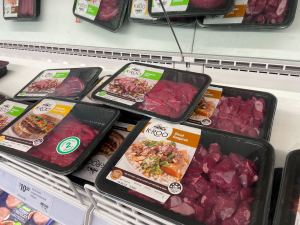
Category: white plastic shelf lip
<point>57,206</point>
<point>121,211</point>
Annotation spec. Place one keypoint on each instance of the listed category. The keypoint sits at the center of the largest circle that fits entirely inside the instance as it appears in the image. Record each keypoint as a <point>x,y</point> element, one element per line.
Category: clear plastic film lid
<point>57,134</point>
<point>154,91</point>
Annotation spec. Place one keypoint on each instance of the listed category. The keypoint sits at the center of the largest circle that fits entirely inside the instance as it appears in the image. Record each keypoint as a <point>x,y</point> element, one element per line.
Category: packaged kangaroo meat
<point>110,144</point>
<point>187,8</point>
<point>239,111</point>
<point>288,204</point>
<point>3,68</point>
<point>57,134</point>
<point>189,175</point>
<point>255,14</point>
<point>72,83</point>
<point>109,14</point>
<point>154,91</point>
<point>139,13</point>
<point>15,212</point>
<point>10,110</point>
<point>21,9</point>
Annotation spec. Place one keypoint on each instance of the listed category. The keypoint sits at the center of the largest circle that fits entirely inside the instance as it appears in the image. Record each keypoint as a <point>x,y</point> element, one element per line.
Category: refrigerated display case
<point>260,60</point>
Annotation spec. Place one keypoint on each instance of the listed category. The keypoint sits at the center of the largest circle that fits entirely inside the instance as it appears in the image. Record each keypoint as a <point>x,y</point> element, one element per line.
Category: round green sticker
<point>68,145</point>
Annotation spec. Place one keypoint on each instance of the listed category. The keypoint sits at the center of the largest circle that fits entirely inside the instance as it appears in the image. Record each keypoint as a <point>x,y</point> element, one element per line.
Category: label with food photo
<point>45,84</point>
<point>109,145</point>
<point>9,111</point>
<point>87,8</point>
<point>207,106</point>
<point>157,160</point>
<point>11,8</point>
<point>31,129</point>
<point>131,85</point>
<point>139,10</point>
<point>170,5</point>
<point>236,16</point>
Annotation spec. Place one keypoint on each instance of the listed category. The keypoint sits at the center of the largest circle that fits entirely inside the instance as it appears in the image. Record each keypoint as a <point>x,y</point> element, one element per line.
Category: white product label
<point>207,106</point>
<point>109,145</point>
<point>157,160</point>
<point>28,193</point>
<point>139,10</point>
<point>236,16</point>
<point>170,5</point>
<point>87,8</point>
<point>11,8</point>
<point>45,84</point>
<point>131,85</point>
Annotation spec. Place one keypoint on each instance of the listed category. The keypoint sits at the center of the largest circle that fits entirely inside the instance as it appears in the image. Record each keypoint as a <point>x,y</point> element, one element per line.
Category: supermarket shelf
<point>51,194</point>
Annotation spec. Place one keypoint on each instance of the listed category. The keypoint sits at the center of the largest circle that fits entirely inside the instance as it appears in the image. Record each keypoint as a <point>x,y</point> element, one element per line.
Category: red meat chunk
<point>225,176</point>
<point>233,114</point>
<point>225,206</point>
<point>248,175</point>
<point>72,86</point>
<point>67,128</point>
<point>109,9</point>
<point>168,98</point>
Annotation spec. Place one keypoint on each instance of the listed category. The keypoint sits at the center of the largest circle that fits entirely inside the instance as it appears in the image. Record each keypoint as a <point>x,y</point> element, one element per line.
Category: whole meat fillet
<point>69,127</point>
<point>72,86</point>
<point>109,9</point>
<point>26,8</point>
<point>168,98</point>
<point>207,4</point>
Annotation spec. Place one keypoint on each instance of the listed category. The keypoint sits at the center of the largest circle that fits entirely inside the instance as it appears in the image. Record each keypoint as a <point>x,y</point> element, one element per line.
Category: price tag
<point>34,197</point>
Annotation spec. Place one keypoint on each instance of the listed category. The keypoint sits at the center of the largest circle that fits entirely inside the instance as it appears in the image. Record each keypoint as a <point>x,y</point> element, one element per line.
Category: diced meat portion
<point>207,4</point>
<point>219,195</point>
<point>233,114</point>
<point>72,86</point>
<point>109,9</point>
<point>266,11</point>
<point>168,98</point>
<point>69,127</point>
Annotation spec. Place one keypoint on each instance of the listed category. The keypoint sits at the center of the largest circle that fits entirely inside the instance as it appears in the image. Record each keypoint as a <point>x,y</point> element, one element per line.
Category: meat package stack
<point>167,141</point>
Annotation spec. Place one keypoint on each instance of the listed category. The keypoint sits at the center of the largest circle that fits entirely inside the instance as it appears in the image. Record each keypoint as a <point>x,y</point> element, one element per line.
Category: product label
<point>87,8</point>
<point>131,85</point>
<point>31,129</point>
<point>45,84</point>
<point>207,106</point>
<point>157,160</point>
<point>28,193</point>
<point>111,144</point>
<point>170,5</point>
<point>236,16</point>
<point>9,111</point>
<point>297,221</point>
<point>139,10</point>
<point>11,8</point>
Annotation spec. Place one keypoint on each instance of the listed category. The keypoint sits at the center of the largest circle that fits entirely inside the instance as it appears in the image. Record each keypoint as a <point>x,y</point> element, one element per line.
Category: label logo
<point>158,131</point>
<point>44,107</point>
<point>23,187</point>
<point>46,75</point>
<point>5,108</point>
<point>68,145</point>
<point>134,72</point>
<point>175,188</point>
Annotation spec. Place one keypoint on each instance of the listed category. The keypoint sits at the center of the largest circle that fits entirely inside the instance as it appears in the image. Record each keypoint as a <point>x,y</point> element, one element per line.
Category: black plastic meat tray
<point>3,68</point>
<point>34,16</point>
<point>59,140</point>
<point>259,151</point>
<point>198,80</point>
<point>288,200</point>
<point>270,107</point>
